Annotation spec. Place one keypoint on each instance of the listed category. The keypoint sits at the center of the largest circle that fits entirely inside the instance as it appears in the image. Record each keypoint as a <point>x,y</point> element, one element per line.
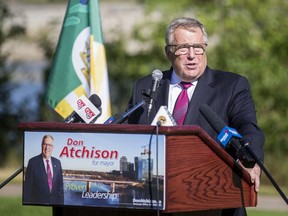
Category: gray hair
<point>47,136</point>
<point>186,23</point>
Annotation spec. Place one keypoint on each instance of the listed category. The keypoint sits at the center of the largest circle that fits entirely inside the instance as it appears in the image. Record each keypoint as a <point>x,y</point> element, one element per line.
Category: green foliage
<point>246,37</point>
<point>8,118</point>
<point>253,43</point>
<point>134,64</point>
<point>43,1</point>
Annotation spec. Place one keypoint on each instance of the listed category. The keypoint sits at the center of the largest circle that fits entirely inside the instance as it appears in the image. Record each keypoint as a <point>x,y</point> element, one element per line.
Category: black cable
<point>157,171</point>
<point>241,188</point>
<point>149,172</point>
<point>11,177</point>
<point>259,162</point>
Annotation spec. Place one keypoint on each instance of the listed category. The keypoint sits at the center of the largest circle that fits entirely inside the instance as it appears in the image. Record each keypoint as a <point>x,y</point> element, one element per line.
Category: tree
<point>9,117</point>
<point>246,37</point>
<point>252,41</point>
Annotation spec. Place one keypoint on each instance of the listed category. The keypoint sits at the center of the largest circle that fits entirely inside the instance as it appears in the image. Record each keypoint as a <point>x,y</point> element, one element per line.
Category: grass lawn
<point>11,206</point>
<point>265,213</point>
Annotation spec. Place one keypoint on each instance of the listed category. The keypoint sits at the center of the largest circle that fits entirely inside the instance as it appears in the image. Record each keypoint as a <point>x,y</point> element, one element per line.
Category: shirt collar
<point>175,80</point>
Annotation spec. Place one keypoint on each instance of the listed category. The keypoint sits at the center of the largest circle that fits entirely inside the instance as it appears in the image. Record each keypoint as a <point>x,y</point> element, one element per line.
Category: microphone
<point>163,118</point>
<point>229,138</point>
<point>112,118</point>
<point>120,118</point>
<point>85,110</point>
<point>157,76</point>
<point>96,101</point>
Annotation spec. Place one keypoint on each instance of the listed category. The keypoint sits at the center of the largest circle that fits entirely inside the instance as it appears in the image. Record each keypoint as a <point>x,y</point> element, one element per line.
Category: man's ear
<point>168,53</point>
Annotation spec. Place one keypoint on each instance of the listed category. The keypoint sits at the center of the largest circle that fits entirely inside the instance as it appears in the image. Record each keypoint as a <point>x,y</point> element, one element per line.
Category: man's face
<point>47,147</point>
<point>189,66</point>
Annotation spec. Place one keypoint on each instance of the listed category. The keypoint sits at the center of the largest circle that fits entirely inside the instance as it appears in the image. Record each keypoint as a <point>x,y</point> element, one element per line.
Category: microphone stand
<point>259,162</point>
<point>151,96</point>
<point>128,112</point>
<point>11,177</point>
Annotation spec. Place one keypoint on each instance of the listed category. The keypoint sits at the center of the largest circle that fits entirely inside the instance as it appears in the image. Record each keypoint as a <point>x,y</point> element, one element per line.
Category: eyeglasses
<point>48,145</point>
<point>183,49</point>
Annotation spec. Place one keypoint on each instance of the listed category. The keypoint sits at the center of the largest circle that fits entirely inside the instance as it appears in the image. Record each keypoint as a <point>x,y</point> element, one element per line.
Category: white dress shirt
<point>175,89</point>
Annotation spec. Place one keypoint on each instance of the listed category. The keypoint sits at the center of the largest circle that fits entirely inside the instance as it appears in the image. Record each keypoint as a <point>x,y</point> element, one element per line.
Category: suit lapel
<point>200,96</point>
<point>55,168</point>
<point>43,172</point>
<point>163,91</point>
<point>42,166</point>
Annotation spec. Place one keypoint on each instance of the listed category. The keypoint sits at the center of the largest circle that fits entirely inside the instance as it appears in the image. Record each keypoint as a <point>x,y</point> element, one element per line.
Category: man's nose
<point>191,53</point>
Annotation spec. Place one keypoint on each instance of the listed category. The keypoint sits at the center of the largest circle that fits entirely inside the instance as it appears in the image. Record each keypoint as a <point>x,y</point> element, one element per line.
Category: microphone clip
<point>243,155</point>
<point>148,94</point>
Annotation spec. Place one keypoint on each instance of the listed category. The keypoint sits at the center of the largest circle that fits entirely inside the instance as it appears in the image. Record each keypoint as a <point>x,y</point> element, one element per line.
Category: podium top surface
<point>128,128</point>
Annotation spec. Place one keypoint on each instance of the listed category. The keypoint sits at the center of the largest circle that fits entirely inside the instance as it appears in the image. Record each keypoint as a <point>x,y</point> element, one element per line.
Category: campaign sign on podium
<point>103,169</point>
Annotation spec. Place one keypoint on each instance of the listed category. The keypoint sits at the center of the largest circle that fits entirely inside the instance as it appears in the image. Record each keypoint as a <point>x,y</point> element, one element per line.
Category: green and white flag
<point>79,66</point>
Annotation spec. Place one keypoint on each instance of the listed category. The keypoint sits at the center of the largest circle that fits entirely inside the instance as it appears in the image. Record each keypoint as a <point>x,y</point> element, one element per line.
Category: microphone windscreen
<point>215,121</point>
<point>95,100</point>
<point>164,117</point>
<point>157,74</point>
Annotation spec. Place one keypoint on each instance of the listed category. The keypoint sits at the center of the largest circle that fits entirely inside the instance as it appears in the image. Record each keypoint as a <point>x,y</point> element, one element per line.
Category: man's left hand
<point>255,174</point>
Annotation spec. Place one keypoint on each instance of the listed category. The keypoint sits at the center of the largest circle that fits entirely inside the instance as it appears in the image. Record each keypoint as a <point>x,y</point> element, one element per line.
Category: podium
<point>200,174</point>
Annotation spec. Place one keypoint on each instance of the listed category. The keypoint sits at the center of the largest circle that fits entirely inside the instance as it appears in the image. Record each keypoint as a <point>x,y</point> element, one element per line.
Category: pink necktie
<point>49,175</point>
<point>181,104</point>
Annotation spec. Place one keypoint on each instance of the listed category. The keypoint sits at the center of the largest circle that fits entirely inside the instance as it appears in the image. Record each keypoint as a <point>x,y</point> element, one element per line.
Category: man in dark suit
<point>43,183</point>
<point>226,93</point>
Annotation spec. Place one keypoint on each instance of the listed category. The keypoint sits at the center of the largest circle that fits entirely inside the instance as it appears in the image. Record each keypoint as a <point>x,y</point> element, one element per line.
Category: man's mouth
<point>191,65</point>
